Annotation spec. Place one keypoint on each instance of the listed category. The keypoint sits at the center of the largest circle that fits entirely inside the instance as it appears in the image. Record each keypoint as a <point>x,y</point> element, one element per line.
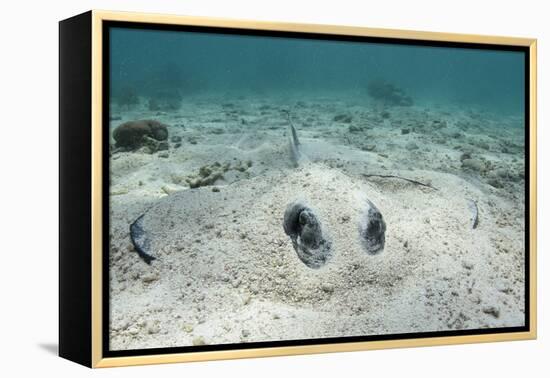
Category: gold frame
<point>99,16</point>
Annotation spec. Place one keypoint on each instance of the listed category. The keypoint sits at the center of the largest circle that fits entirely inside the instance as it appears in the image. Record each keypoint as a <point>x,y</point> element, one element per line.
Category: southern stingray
<point>322,211</point>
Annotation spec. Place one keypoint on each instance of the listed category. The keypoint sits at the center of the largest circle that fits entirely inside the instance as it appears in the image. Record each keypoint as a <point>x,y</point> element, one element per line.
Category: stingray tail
<point>294,144</point>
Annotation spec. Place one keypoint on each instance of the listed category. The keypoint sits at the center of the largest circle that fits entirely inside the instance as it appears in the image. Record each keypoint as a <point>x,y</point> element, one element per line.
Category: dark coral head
<point>131,134</point>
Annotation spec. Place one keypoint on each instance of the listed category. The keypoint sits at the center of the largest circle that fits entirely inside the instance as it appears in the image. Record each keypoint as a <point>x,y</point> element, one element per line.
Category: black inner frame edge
<point>107,25</point>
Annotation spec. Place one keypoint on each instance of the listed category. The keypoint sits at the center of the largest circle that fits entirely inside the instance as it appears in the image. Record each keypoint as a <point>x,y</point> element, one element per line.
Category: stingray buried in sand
<point>310,239</point>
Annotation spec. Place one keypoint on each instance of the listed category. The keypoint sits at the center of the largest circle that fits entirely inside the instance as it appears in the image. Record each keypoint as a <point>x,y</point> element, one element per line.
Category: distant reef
<point>388,94</point>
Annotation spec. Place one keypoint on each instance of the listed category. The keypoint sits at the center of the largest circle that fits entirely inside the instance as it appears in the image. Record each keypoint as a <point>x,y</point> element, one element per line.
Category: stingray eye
<point>372,230</point>
<point>303,227</point>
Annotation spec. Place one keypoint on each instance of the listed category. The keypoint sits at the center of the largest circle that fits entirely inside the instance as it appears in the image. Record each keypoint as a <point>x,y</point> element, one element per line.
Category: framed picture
<point>235,189</point>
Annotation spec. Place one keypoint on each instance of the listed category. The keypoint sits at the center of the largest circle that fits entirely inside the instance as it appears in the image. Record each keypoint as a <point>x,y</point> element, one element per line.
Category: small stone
<point>118,192</point>
<point>205,171</point>
<point>327,288</point>
<point>188,328</point>
<point>501,172</point>
<point>405,131</point>
<point>150,277</point>
<point>153,329</point>
<point>465,155</point>
<point>155,145</point>
<point>345,218</point>
<point>495,183</point>
<point>175,139</point>
<point>169,189</point>
<point>145,150</point>
<point>474,165</point>
<point>491,310</point>
<point>199,340</point>
<point>163,155</point>
<point>484,145</point>
<point>344,118</point>
<point>124,325</point>
<point>194,183</point>
<point>133,330</point>
<point>245,333</point>
<point>411,146</point>
<point>215,189</point>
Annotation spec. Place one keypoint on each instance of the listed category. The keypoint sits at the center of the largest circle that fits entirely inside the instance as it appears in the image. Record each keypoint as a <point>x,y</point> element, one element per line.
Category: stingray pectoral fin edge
<point>140,240</point>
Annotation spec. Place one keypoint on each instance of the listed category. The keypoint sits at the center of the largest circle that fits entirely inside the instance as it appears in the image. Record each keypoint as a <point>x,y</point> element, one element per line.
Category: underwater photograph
<point>268,187</point>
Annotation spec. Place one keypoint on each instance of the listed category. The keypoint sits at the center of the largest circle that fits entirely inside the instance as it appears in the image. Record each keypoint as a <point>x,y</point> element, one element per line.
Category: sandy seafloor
<point>229,274</point>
